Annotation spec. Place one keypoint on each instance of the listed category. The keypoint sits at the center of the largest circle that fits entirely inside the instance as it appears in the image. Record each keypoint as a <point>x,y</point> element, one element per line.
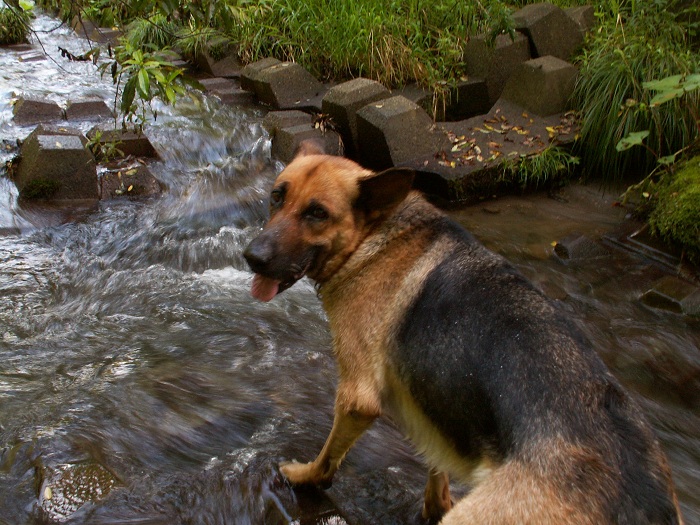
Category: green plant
<point>103,150</point>
<point>14,21</point>
<point>676,213</point>
<point>636,43</point>
<point>148,74</point>
<point>551,165</point>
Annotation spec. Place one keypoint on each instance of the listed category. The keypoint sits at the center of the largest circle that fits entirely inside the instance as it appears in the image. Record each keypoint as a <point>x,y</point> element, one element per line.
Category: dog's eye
<point>276,197</point>
<point>317,212</point>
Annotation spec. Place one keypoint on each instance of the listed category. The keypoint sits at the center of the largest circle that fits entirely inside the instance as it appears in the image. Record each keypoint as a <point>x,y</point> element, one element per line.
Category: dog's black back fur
<point>518,371</point>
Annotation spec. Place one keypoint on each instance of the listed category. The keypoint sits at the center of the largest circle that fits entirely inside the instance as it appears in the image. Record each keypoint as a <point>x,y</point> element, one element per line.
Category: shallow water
<point>139,383</point>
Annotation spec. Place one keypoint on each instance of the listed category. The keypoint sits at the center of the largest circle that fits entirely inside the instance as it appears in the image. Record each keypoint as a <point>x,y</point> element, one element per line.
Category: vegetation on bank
<point>15,18</point>
<point>625,131</point>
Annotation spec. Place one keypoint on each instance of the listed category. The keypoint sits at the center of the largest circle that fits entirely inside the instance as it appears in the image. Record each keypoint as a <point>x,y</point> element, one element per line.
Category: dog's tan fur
<point>370,270</point>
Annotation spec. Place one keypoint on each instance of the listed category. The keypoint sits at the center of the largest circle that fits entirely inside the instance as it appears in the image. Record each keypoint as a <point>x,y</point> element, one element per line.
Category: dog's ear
<point>383,191</point>
<point>309,147</point>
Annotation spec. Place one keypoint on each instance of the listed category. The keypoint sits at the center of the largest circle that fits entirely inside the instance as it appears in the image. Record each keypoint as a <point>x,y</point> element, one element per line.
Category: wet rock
<point>249,74</point>
<point>56,166</point>
<point>19,48</point>
<point>65,489</point>
<point>287,140</point>
<point>495,63</point>
<point>229,66</point>
<point>276,120</point>
<point>105,35</point>
<point>83,26</point>
<point>342,103</point>
<point>228,91</point>
<point>127,142</point>
<point>673,294</point>
<point>89,108</point>
<point>577,247</point>
<point>33,110</point>
<point>550,30</point>
<point>542,85</point>
<point>393,131</point>
<point>128,181</point>
<point>288,85</point>
<point>32,56</point>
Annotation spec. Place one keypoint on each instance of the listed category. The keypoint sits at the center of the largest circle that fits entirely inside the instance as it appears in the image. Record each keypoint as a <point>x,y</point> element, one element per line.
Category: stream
<point>140,383</point>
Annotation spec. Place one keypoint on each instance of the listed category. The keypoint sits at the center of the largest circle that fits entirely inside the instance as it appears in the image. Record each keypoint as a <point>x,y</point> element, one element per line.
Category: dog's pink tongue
<point>264,288</point>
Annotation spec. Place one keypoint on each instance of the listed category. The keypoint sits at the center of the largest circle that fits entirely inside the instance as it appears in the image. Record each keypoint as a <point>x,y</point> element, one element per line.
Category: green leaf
<point>633,139</point>
<point>26,5</point>
<point>667,160</point>
<point>128,95</point>
<point>672,82</point>
<point>170,93</point>
<point>665,96</point>
<point>144,84</point>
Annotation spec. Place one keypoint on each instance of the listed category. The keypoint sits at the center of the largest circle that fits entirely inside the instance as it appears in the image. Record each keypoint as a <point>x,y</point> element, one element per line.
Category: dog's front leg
<point>437,496</point>
<point>347,427</point>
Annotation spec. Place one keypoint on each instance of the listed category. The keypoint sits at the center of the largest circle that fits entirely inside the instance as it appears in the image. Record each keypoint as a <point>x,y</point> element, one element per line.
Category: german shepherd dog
<point>489,380</point>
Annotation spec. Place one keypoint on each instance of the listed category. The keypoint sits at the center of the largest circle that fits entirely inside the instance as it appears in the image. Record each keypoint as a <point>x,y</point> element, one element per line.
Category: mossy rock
<point>676,216</point>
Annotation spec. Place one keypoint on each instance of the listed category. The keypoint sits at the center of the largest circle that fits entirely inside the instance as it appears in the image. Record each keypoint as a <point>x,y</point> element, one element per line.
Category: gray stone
<point>249,73</point>
<point>32,110</point>
<point>83,26</point>
<point>550,30</point>
<point>229,66</point>
<point>674,294</point>
<point>542,86</point>
<point>287,140</point>
<point>128,142</point>
<point>105,35</point>
<point>88,109</point>
<point>342,102</point>
<point>287,85</point>
<point>577,247</point>
<point>393,131</point>
<point>584,16</point>
<point>418,95</point>
<point>467,99</point>
<point>276,120</point>
<point>235,97</point>
<point>495,63</point>
<point>57,167</point>
<point>19,48</point>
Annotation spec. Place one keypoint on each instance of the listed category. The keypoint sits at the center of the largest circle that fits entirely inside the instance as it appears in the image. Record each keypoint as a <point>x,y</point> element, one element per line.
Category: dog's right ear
<point>309,147</point>
<point>382,192</point>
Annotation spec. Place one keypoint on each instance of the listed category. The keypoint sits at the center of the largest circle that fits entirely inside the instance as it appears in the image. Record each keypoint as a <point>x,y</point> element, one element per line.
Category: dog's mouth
<point>265,288</point>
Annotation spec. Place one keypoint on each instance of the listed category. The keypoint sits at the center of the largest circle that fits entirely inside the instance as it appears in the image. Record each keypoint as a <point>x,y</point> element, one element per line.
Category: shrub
<point>636,46</point>
<point>14,24</point>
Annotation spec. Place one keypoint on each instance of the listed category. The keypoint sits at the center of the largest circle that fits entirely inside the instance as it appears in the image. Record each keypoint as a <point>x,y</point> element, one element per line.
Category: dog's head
<point>321,207</point>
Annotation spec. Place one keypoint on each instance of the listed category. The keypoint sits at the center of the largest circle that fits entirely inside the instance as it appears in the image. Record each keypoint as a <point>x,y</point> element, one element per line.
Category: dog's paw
<point>303,474</point>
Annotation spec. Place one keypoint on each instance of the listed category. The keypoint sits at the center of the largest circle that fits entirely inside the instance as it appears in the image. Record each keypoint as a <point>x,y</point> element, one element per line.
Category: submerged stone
<point>673,294</point>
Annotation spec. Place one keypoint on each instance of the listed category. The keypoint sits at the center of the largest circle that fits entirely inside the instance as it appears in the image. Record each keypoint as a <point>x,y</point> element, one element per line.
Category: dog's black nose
<point>259,253</point>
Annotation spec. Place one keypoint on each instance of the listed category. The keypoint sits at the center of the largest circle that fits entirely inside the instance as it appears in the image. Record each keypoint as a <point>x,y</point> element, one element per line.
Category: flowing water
<point>140,383</point>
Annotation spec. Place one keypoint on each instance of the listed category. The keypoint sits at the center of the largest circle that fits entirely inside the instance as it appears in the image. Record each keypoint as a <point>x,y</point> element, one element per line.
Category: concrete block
<point>129,182</point>
<point>88,109</point>
<point>342,102</point>
<point>495,63</point>
<point>105,35</point>
<point>542,86</point>
<point>235,97</point>
<point>287,140</point>
<point>673,294</point>
<point>249,73</point>
<point>550,30</point>
<point>276,120</point>
<point>216,84</point>
<point>229,66</point>
<point>467,99</point>
<point>56,167</point>
<point>19,48</point>
<point>584,16</point>
<point>33,110</point>
<point>287,85</point>
<point>127,142</point>
<point>83,26</point>
<point>393,131</point>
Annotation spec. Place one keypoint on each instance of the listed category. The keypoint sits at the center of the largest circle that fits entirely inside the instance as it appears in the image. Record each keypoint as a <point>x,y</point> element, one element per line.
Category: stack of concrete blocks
<point>381,129</point>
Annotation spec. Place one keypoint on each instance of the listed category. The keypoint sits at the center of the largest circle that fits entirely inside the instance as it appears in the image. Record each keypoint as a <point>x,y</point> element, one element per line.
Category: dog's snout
<point>259,253</point>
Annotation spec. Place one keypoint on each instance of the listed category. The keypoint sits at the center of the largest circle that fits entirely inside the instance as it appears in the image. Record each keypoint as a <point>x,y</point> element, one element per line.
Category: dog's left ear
<point>383,191</point>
